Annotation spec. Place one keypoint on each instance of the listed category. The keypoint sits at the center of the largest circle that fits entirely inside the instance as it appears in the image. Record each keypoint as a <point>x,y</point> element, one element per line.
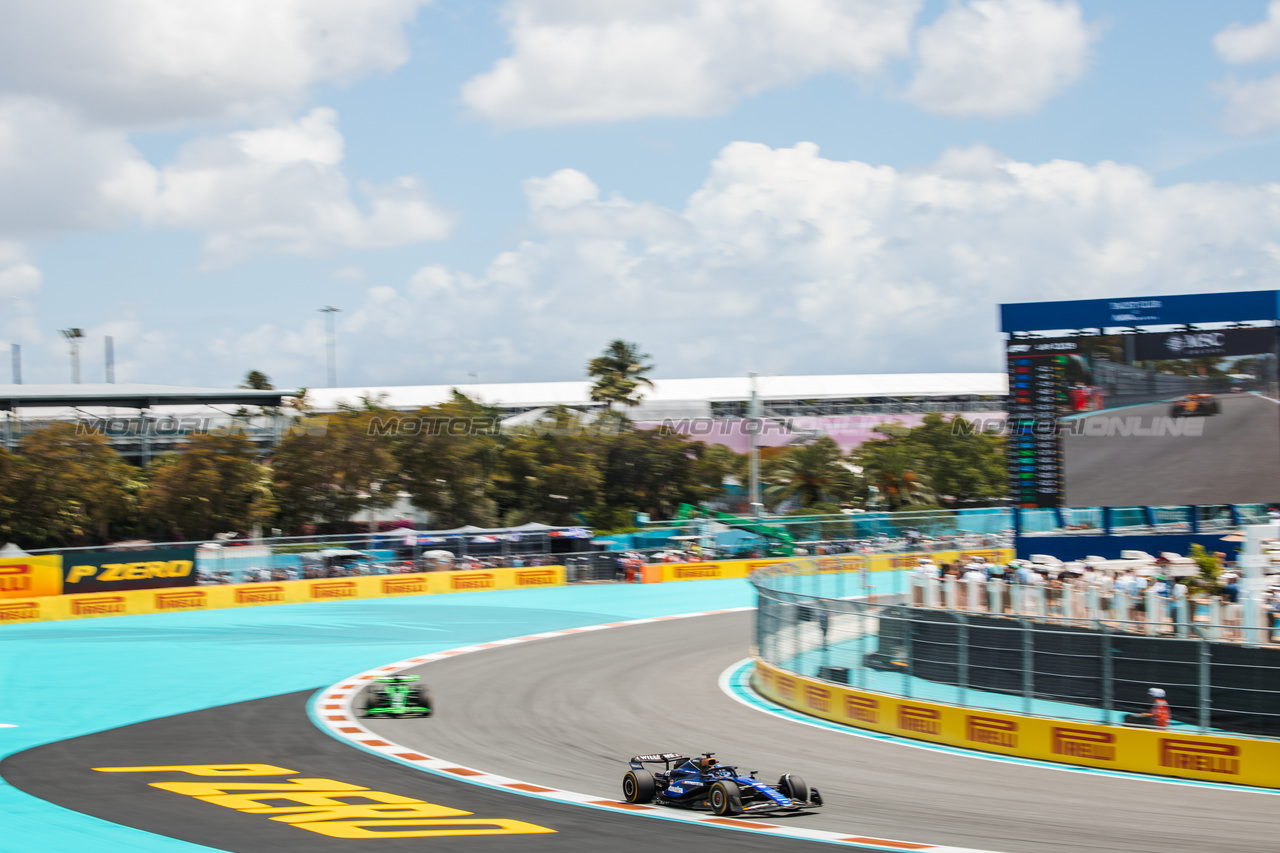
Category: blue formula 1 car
<point>703,783</point>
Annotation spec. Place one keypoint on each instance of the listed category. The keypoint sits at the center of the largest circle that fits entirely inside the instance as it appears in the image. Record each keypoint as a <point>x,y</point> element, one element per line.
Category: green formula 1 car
<point>397,696</point>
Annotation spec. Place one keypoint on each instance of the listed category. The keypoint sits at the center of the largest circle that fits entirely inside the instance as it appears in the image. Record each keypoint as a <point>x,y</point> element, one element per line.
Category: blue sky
<point>501,187</point>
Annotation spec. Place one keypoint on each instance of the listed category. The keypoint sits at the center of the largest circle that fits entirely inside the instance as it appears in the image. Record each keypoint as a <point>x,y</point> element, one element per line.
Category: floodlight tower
<point>328,311</point>
<point>74,336</point>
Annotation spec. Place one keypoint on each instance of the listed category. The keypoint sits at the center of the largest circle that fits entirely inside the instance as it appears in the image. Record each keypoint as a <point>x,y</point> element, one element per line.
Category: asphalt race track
<point>1236,460</point>
<point>568,712</point>
<point>277,731</point>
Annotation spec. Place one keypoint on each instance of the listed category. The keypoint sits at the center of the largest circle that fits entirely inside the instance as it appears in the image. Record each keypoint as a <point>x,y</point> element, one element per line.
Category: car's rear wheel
<point>725,799</point>
<point>638,786</point>
<point>423,698</point>
<point>794,788</point>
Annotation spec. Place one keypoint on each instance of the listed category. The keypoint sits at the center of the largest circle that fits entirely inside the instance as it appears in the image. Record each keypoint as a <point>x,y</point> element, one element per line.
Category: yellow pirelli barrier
<point>836,563</point>
<point>1169,752</point>
<point>30,577</point>
<point>193,598</point>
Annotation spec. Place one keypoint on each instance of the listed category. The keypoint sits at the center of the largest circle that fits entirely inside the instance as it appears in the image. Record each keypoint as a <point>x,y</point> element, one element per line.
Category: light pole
<point>74,336</point>
<point>753,414</point>
<point>328,311</point>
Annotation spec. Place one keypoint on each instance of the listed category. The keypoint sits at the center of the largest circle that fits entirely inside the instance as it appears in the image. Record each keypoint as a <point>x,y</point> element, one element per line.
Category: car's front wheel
<point>725,799</point>
<point>638,786</point>
<point>794,788</point>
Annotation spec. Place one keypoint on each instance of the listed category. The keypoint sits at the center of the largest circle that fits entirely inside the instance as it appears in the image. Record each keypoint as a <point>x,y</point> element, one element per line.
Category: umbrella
<point>341,552</point>
<point>485,540</point>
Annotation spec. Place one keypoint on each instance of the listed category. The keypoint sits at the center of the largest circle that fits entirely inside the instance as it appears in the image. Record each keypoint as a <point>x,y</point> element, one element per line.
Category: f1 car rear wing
<point>667,758</point>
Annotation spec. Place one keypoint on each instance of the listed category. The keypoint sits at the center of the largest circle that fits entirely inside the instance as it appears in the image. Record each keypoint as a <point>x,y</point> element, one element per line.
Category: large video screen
<point>1145,419</point>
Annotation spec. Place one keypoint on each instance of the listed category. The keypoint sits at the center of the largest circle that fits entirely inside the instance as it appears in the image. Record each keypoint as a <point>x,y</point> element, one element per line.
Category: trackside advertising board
<point>30,577</point>
<point>1170,752</point>
<point>667,572</point>
<point>133,602</point>
<point>118,571</point>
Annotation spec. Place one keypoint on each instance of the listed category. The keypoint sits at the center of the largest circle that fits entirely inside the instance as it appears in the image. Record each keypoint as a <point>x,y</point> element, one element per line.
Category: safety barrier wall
<point>174,600</point>
<point>665,572</point>
<point>1209,758</point>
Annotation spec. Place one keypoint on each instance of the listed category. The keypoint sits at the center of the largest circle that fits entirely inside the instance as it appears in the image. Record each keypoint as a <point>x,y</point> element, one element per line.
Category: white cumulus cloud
<point>786,261</point>
<point>1252,106</point>
<point>1000,57</point>
<point>582,61</point>
<point>143,62</point>
<point>281,188</point>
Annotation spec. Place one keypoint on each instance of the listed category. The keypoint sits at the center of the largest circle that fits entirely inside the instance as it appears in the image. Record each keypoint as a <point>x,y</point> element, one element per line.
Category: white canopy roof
<point>722,389</point>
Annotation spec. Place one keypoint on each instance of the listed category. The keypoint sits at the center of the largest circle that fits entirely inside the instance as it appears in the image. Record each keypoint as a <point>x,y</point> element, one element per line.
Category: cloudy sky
<point>500,187</point>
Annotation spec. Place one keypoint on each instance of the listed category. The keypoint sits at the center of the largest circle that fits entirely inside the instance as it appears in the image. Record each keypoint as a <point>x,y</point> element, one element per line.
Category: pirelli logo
<point>19,611</point>
<point>696,571</point>
<point>105,605</point>
<point>404,586</point>
<point>1083,743</point>
<point>862,709</point>
<point>817,698</point>
<point>473,580</point>
<point>187,599</point>
<point>536,577</point>
<point>15,578</point>
<point>785,685</point>
<point>829,564</point>
<point>334,589</point>
<point>756,565</point>
<point>1200,756</point>
<point>925,721</point>
<point>991,731</point>
<point>260,595</point>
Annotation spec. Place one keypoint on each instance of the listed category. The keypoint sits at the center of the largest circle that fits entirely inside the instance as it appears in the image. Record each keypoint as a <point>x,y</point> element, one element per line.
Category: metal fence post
<point>1028,667</point>
<point>963,659</point>
<point>1108,685</point>
<point>1205,698</point>
<point>908,672</point>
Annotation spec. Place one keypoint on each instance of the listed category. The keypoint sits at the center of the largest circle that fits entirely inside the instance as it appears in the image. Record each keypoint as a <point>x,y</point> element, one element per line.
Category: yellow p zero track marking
<point>320,805</point>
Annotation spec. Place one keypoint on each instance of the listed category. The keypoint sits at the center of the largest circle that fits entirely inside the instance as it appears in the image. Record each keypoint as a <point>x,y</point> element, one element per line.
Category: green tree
<point>896,468</point>
<point>549,472</point>
<point>333,474</point>
<point>213,485</point>
<point>71,488</point>
<point>257,381</point>
<point>961,462</point>
<point>647,471</point>
<point>619,373</point>
<point>8,495</point>
<point>449,461</point>
<point>812,473</point>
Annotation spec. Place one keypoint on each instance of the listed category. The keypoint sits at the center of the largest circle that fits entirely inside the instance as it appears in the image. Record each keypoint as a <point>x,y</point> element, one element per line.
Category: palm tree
<point>618,372</point>
<point>814,473</point>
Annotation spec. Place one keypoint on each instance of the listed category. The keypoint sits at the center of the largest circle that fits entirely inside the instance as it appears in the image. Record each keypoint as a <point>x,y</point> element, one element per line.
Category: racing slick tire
<point>725,799</point>
<point>1176,412</point>
<point>638,786</point>
<point>793,788</point>
<point>420,697</point>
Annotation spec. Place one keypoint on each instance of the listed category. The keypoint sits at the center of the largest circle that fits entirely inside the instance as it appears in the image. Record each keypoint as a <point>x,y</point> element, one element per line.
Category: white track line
<point>332,711</point>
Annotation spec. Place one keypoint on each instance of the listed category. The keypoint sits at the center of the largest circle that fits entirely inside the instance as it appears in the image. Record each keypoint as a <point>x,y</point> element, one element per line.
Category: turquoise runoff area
<point>128,669</point>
